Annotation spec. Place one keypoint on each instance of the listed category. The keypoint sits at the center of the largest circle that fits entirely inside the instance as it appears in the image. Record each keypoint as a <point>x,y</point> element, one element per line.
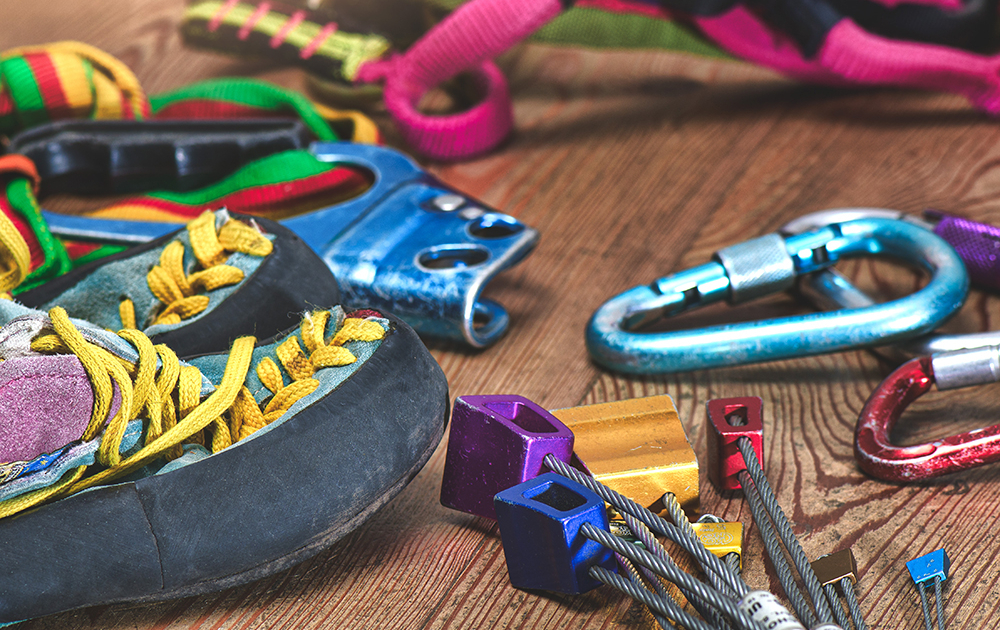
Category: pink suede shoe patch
<point>45,403</point>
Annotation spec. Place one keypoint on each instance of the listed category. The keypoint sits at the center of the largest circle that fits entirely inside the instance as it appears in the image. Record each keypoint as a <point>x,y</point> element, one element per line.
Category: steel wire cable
<point>646,537</point>
<point>719,574</point>
<point>634,577</point>
<point>672,573</point>
<point>784,528</point>
<point>677,515</point>
<point>847,586</point>
<point>925,607</point>
<point>773,548</point>
<point>838,609</point>
<point>733,560</point>
<point>649,576</point>
<point>665,607</point>
<point>938,603</point>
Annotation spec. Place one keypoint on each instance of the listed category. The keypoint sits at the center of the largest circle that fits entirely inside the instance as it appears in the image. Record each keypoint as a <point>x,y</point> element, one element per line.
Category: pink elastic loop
<point>456,136</point>
<point>466,40</point>
<point>475,32</point>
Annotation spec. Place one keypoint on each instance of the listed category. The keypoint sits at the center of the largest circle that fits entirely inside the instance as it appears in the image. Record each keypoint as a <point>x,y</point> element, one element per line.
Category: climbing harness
<point>924,45</point>
<point>765,265</point>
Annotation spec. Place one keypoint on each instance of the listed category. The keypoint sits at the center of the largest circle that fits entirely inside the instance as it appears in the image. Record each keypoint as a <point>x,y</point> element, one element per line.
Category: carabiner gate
<point>828,289</point>
<point>765,265</point>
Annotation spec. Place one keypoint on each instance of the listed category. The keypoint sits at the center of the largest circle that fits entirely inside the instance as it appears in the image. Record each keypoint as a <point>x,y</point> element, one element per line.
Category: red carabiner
<point>878,457</point>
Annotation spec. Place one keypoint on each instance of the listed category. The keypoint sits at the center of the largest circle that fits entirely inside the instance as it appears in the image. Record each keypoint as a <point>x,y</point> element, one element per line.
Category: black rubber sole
<point>255,509</point>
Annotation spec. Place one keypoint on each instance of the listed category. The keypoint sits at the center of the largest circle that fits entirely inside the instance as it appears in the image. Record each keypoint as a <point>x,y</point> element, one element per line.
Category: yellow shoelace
<point>15,259</point>
<point>170,400</point>
<point>179,291</point>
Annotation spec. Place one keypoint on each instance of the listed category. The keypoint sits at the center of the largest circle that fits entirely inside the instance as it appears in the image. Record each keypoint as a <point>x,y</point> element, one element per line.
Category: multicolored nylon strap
<point>841,43</point>
<point>73,80</point>
<point>353,58</point>
<point>297,36</point>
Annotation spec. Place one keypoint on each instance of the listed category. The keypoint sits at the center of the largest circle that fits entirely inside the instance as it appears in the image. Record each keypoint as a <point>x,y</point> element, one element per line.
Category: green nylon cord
<point>29,107</point>
<point>274,169</point>
<point>57,262</point>
<point>101,252</point>
<point>249,93</point>
<point>349,49</point>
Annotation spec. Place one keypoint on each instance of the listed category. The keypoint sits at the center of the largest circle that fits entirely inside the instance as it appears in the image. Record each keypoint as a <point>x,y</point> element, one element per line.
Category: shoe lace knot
<point>182,293</point>
<point>300,365</point>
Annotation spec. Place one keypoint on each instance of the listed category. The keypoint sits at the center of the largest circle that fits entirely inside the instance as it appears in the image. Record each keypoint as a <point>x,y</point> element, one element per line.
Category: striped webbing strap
<point>63,80</point>
<point>350,58</point>
<point>18,185</point>
<point>275,187</point>
<point>297,36</point>
<point>72,80</point>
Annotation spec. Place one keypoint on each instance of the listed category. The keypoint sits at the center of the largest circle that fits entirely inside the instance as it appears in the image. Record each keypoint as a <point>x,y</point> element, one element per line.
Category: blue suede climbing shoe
<point>125,472</point>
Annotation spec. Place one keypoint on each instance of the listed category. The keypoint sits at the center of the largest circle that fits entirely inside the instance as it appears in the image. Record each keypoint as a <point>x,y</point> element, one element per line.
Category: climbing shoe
<point>204,474</point>
<point>198,289</point>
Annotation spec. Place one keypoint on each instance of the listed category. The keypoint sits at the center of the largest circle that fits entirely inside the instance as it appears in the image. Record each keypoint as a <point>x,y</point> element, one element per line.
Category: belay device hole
<point>453,258</point>
<point>479,320</point>
<point>494,226</point>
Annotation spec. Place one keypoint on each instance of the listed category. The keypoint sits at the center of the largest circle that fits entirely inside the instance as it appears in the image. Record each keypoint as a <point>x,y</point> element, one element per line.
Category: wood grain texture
<point>632,165</point>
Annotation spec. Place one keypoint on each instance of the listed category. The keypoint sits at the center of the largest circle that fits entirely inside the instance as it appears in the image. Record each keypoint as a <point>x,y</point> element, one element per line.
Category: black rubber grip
<point>103,157</point>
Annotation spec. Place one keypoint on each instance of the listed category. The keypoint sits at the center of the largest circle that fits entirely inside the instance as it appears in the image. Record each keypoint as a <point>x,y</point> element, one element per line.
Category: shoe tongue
<point>45,404</point>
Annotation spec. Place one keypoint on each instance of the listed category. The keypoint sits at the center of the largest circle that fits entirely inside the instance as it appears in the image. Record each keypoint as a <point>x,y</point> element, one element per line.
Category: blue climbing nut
<point>924,569</point>
<point>540,523</point>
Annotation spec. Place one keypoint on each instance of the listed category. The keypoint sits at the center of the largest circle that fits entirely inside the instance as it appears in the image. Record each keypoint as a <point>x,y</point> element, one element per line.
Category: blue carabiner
<point>766,265</point>
<point>828,289</point>
<point>408,244</point>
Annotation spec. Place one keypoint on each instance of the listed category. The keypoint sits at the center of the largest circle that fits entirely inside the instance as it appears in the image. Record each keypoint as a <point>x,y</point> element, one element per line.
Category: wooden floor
<point>633,165</point>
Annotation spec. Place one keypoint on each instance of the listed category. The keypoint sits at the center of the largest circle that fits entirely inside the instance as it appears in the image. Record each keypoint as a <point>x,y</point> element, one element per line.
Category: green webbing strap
<point>249,93</point>
<point>22,198</point>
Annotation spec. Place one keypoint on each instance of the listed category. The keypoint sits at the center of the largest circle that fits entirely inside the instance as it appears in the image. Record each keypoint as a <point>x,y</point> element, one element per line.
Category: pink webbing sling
<point>480,30</point>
